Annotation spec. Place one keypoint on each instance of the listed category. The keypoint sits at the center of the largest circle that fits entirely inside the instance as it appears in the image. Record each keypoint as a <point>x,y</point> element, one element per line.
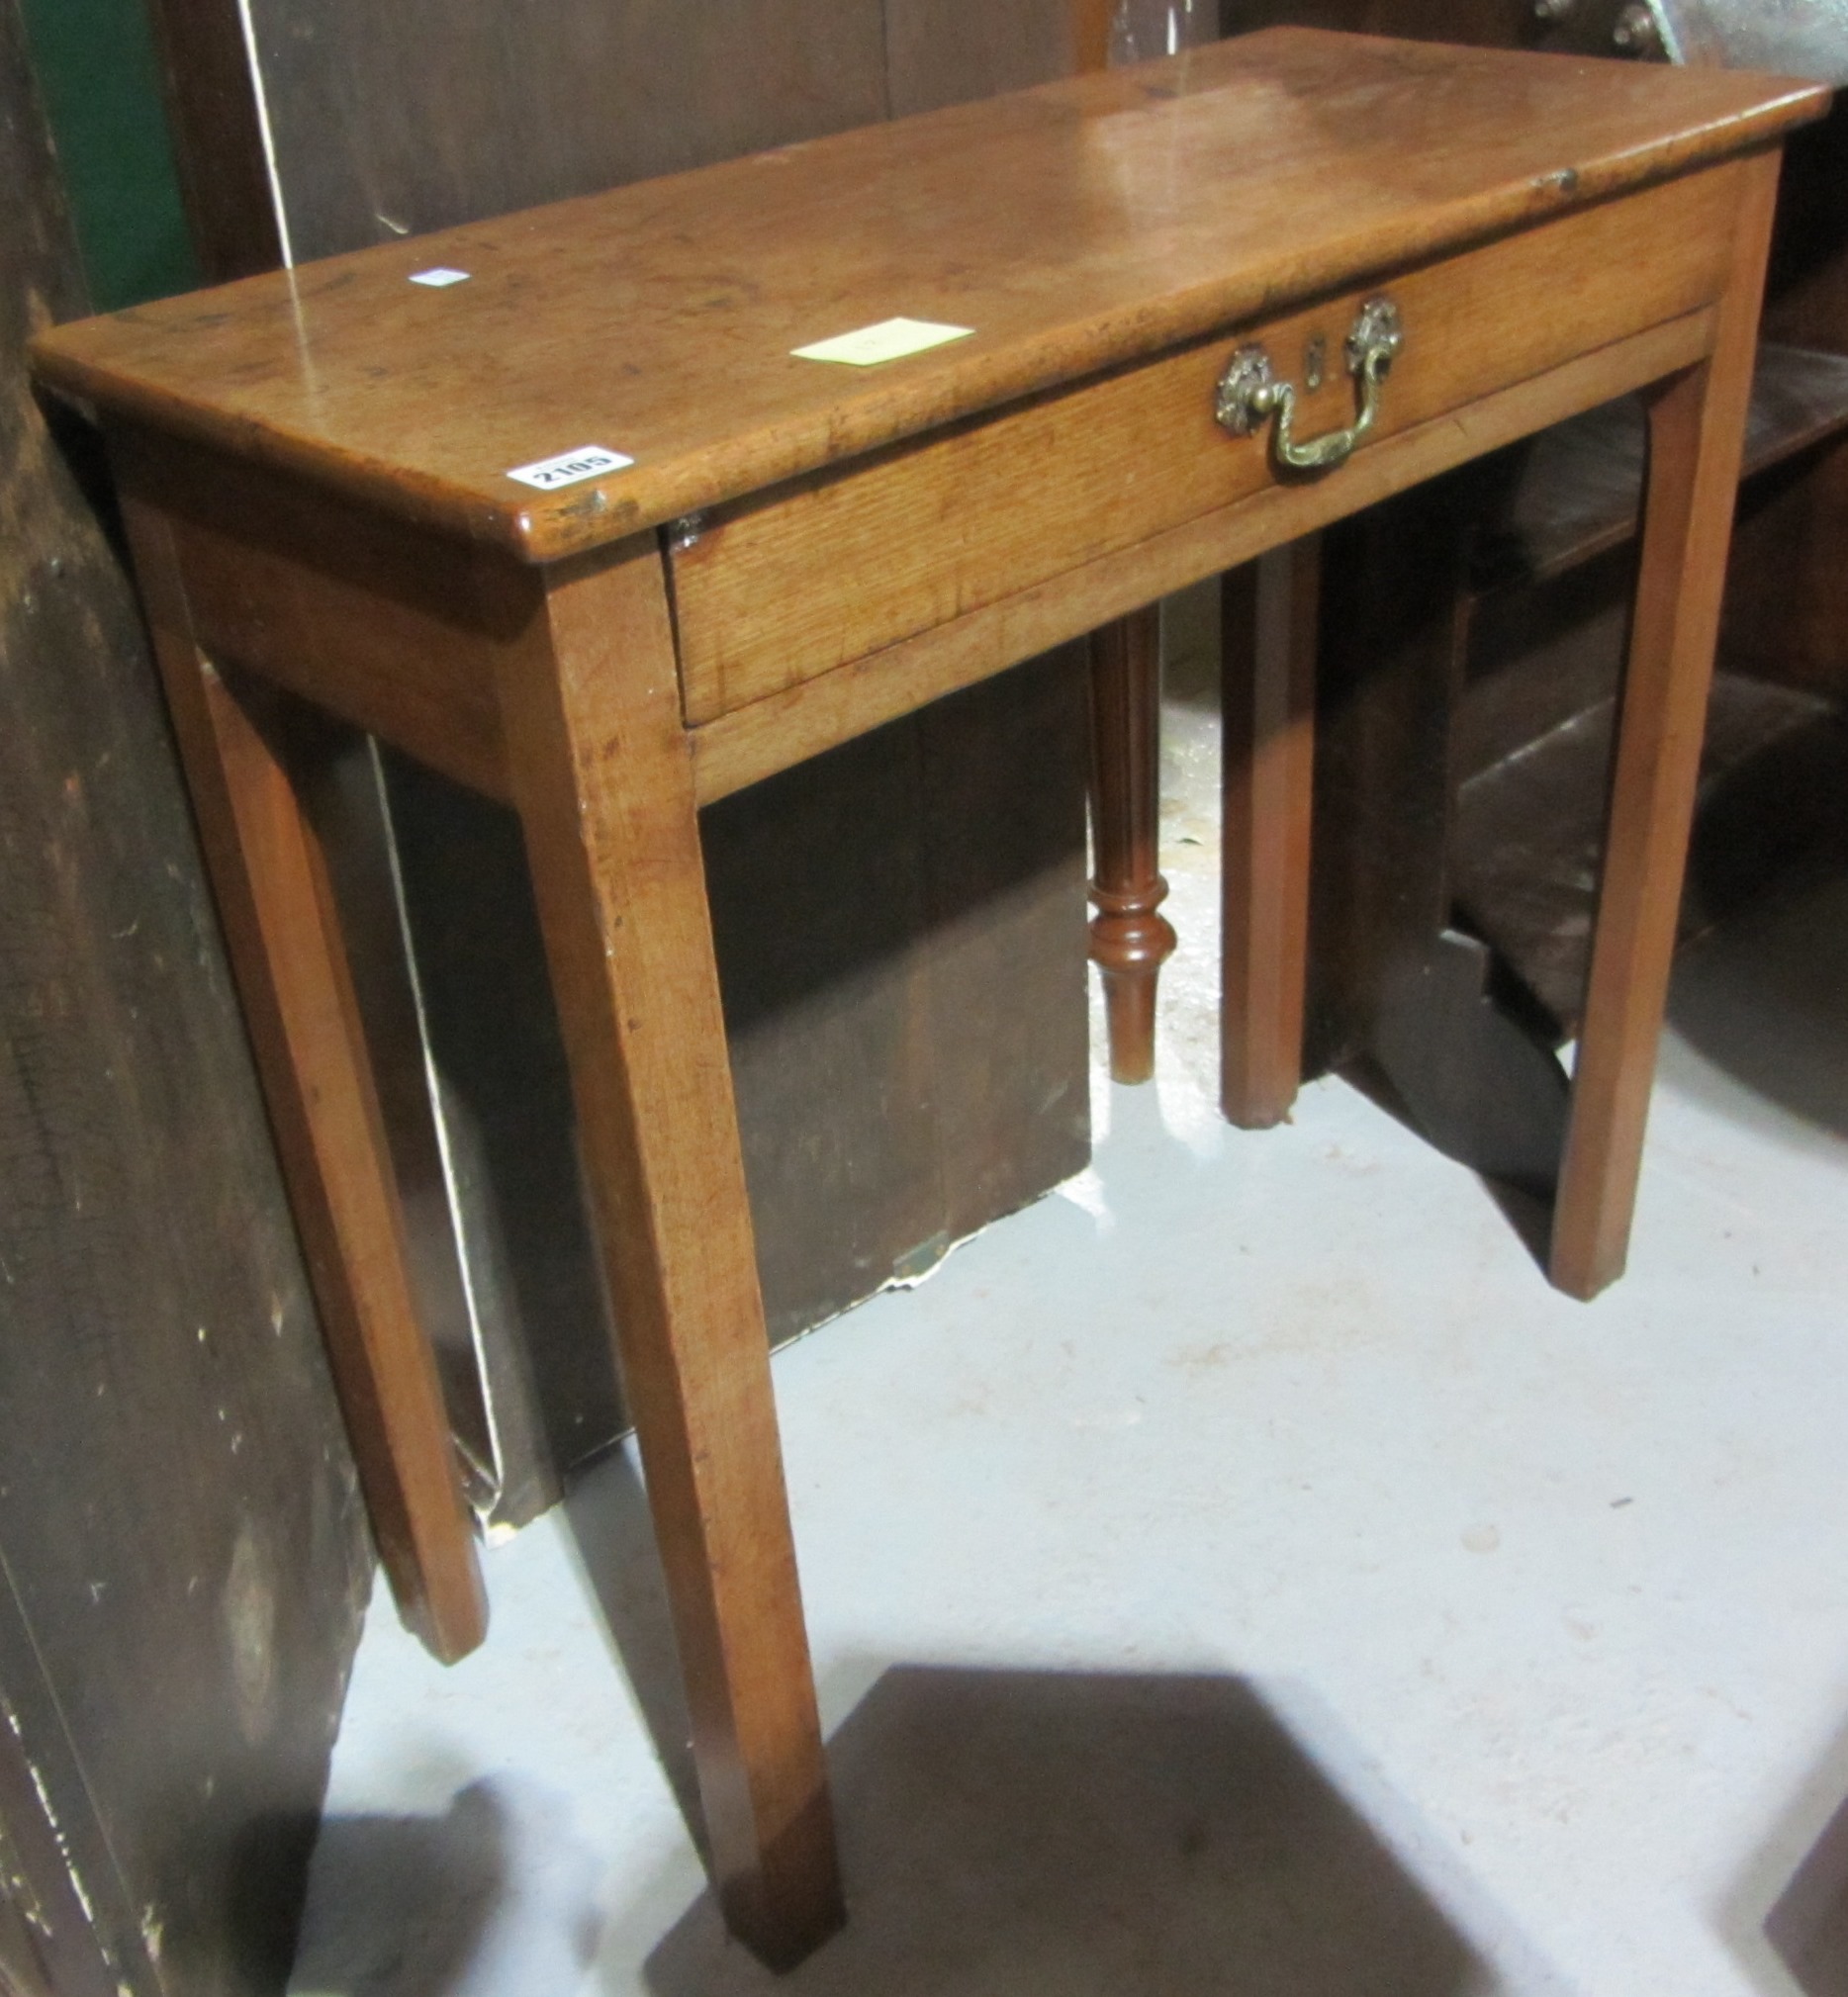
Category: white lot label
<point>570,468</point>
<point>437,279</point>
<point>890,340</point>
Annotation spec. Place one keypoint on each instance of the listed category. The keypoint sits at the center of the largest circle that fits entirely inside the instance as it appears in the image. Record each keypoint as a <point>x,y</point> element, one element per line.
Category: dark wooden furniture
<point>1130,938</point>
<point>1465,724</point>
<point>907,1032</point>
<point>183,1556</point>
<point>317,477</point>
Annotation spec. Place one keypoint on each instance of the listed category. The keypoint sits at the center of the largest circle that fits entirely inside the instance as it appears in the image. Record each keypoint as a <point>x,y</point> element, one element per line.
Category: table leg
<point>1270,613</point>
<point>270,877</point>
<point>1130,938</point>
<point>603,777</point>
<point>1696,438</point>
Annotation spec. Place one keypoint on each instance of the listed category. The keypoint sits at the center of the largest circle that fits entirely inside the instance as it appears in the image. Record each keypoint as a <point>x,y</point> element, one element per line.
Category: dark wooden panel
<point>217,138</point>
<point>1574,492</point>
<point>906,1002</point>
<point>391,121</point>
<point>58,1942</point>
<point>505,1104</point>
<point>1529,830</point>
<point>1543,612</point>
<point>896,1089</point>
<point>1006,909</point>
<point>1389,667</point>
<point>1807,290</point>
<point>1539,655</point>
<point>1555,563</point>
<point>1584,26</point>
<point>820,913</point>
<point>1502,24</point>
<point>183,1548</point>
<point>1786,610</point>
<point>947,51</point>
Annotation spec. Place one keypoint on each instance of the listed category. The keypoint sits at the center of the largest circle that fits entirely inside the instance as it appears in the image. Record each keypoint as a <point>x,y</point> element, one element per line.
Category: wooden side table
<point>552,504</point>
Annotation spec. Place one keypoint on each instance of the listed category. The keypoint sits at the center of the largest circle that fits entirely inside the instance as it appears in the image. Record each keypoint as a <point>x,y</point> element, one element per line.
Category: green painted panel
<point>98,73</point>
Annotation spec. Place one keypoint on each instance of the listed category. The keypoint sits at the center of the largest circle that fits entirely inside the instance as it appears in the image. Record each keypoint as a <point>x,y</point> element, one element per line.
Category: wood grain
<point>183,1556</point>
<point>1696,427</point>
<point>789,584</point>
<point>434,113</point>
<point>419,401</point>
<point>1587,299</point>
<point>270,878</point>
<point>606,795</point>
<point>1576,493</point>
<point>1269,610</point>
<point>377,621</point>
<point>784,728</point>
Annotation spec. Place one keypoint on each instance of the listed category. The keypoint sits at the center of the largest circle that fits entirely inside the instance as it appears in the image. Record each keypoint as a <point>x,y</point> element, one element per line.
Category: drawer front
<point>792,584</point>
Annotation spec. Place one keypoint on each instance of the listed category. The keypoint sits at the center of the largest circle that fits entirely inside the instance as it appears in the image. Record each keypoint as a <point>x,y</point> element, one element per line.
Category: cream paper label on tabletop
<point>439,279</point>
<point>570,468</point>
<point>890,340</point>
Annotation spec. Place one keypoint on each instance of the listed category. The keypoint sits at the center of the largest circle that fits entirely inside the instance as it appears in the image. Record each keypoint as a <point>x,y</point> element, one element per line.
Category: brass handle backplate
<point>1250,392</point>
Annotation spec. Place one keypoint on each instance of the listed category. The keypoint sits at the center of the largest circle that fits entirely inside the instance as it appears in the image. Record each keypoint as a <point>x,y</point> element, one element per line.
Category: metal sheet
<point>1796,38</point>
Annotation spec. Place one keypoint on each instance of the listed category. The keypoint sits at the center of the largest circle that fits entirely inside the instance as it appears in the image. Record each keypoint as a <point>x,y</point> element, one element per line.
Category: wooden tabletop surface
<point>1072,226</point>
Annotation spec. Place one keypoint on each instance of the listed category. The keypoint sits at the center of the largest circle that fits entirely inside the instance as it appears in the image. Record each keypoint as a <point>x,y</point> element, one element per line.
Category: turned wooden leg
<point>1269,622</point>
<point>1130,938</point>
<point>603,779</point>
<point>1696,437</point>
<point>248,785</point>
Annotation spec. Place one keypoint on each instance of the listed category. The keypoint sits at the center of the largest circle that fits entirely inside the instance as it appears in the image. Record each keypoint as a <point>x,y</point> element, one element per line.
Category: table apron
<point>792,583</point>
<point>810,614</point>
<point>786,728</point>
<point>394,627</point>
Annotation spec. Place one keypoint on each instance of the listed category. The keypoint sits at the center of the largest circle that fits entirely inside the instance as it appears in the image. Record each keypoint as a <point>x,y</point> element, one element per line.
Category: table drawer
<point>812,576</point>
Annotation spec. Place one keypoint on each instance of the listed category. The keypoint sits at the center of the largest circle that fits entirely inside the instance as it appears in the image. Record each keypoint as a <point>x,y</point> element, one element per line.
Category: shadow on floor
<point>498,1897</point>
<point>1809,1926</point>
<point>608,1512</point>
<point>1788,1919</point>
<point>1529,1213</point>
<point>412,1898</point>
<point>1761,1000</point>
<point>1046,1833</point>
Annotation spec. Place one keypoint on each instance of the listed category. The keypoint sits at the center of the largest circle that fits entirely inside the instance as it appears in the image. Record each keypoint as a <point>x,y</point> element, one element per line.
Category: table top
<point>1071,228</point>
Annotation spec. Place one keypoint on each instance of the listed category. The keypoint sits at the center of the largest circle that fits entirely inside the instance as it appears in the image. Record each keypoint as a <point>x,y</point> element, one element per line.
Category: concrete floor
<point>1239,1574</point>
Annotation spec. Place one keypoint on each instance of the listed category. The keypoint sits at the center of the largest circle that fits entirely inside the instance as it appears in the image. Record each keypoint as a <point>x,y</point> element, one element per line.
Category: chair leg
<point>1130,938</point>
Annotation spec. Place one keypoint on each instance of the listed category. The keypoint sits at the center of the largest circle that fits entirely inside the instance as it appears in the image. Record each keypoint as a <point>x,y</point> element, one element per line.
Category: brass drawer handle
<point>1250,392</point>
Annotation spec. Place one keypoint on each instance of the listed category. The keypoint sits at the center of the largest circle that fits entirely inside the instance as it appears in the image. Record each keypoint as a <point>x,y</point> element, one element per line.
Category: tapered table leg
<point>1696,442</point>
<point>269,873</point>
<point>1131,940</point>
<point>1269,622</point>
<point>603,779</point>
